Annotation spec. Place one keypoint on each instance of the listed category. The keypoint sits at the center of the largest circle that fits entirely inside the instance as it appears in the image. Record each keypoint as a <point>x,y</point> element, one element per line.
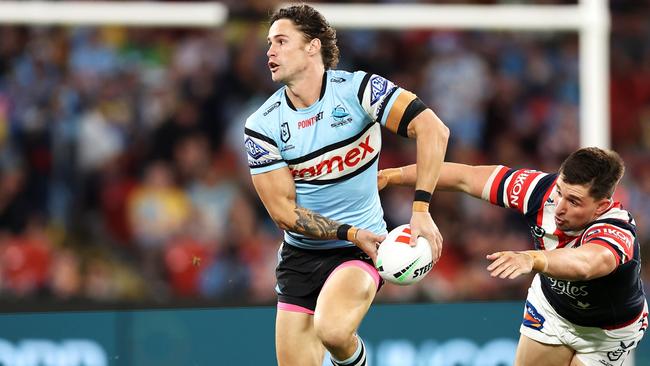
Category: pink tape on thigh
<point>294,308</point>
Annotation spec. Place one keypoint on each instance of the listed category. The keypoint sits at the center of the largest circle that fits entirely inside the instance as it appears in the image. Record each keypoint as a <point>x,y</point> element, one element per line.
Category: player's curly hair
<point>600,169</point>
<point>313,25</point>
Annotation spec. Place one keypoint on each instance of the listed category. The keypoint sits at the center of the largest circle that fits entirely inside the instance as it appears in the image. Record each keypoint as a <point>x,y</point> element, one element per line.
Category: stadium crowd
<point>123,176</point>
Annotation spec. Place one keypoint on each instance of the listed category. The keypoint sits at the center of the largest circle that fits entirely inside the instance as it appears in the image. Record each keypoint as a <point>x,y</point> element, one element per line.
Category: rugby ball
<point>400,263</point>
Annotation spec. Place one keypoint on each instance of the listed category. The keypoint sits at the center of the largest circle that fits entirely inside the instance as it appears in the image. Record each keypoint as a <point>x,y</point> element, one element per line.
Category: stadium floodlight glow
<point>590,18</point>
<point>140,14</point>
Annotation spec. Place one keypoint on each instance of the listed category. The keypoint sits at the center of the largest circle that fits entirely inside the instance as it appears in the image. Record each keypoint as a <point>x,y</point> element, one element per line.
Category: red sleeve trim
<point>607,231</point>
<point>495,184</point>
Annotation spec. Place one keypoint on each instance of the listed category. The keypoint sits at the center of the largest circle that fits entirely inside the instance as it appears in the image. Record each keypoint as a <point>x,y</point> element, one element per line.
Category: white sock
<point>358,358</point>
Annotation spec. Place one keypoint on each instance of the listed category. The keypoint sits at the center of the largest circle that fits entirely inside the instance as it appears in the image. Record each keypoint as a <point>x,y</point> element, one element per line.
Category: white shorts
<point>594,346</point>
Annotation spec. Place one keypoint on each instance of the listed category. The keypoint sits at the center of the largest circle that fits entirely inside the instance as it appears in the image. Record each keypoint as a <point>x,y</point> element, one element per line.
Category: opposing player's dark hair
<point>598,168</point>
<point>313,25</point>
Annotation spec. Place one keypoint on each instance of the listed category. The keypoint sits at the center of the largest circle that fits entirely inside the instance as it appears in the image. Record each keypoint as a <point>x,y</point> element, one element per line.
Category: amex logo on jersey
<point>339,162</point>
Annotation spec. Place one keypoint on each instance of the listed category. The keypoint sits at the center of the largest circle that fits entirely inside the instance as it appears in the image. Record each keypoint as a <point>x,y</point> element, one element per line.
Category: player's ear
<point>314,46</point>
<point>603,205</point>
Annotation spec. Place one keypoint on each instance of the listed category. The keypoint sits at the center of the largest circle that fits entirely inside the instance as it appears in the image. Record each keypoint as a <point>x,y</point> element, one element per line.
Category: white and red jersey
<point>607,302</point>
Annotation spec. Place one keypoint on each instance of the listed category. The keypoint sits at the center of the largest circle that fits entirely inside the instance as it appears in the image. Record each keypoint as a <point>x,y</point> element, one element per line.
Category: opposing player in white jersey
<point>586,304</point>
<point>312,149</point>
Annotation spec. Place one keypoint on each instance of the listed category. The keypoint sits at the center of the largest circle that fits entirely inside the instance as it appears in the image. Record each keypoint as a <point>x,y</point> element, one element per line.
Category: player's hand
<point>509,264</point>
<point>369,242</point>
<point>422,225</point>
<point>388,177</point>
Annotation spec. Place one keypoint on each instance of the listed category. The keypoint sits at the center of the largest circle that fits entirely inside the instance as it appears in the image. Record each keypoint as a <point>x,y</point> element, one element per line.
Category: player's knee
<point>333,335</point>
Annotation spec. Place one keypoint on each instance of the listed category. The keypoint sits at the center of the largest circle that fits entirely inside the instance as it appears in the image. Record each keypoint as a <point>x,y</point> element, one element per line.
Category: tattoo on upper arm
<point>314,225</point>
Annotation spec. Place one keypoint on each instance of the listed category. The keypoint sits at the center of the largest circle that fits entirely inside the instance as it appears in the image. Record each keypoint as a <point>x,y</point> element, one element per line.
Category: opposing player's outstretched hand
<point>369,242</point>
<point>422,225</point>
<point>382,180</point>
<point>388,177</point>
<point>509,264</point>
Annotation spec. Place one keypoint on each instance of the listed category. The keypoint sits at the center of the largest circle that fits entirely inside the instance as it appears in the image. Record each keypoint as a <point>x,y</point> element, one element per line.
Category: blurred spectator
<point>157,208</point>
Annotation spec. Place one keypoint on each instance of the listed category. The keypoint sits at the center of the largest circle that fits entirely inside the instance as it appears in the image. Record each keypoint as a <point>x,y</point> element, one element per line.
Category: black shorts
<point>301,273</point>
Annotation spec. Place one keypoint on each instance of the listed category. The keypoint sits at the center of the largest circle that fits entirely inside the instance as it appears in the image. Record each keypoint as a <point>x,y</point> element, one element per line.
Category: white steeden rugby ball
<point>400,263</point>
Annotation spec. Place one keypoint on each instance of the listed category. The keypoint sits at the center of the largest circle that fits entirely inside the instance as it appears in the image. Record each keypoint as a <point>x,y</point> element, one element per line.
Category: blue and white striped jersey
<point>332,147</point>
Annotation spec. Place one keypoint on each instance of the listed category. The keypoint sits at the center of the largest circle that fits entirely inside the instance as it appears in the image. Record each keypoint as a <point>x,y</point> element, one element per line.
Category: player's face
<point>287,51</point>
<point>575,207</point>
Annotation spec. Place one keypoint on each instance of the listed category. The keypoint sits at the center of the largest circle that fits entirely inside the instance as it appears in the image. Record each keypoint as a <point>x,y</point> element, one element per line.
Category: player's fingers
<point>382,180</point>
<point>414,237</point>
<point>370,249</point>
<point>494,256</point>
<point>377,238</point>
<point>497,271</point>
<point>435,253</point>
<point>499,261</point>
<point>508,271</point>
<point>516,274</point>
<point>438,249</point>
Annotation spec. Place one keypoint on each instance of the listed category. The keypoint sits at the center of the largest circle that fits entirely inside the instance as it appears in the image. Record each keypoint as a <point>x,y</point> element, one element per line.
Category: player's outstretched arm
<point>470,179</point>
<point>586,262</point>
<point>278,194</point>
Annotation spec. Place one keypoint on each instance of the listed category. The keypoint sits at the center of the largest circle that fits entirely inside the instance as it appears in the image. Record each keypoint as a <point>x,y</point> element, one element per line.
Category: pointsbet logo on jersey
<point>310,121</point>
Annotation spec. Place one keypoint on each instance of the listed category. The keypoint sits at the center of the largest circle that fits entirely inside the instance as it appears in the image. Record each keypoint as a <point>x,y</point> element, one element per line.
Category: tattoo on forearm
<point>314,225</point>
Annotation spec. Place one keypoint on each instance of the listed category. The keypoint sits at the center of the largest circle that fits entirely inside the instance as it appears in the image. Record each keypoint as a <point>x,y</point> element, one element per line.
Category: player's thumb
<point>414,239</point>
<point>378,238</point>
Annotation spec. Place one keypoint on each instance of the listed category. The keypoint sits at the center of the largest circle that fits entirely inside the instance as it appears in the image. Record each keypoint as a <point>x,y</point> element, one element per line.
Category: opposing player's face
<point>287,51</point>
<point>575,207</point>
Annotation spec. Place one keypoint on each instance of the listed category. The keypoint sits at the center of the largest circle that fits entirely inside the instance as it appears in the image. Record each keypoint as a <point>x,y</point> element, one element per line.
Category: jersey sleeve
<point>262,150</point>
<point>618,240</point>
<point>393,107</point>
<point>520,189</point>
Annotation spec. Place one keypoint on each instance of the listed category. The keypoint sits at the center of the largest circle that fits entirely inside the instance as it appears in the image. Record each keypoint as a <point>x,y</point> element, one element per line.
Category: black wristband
<point>342,231</point>
<point>422,196</point>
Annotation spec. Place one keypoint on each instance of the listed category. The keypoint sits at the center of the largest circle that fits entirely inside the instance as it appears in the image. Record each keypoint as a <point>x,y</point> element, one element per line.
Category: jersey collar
<point>322,92</point>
